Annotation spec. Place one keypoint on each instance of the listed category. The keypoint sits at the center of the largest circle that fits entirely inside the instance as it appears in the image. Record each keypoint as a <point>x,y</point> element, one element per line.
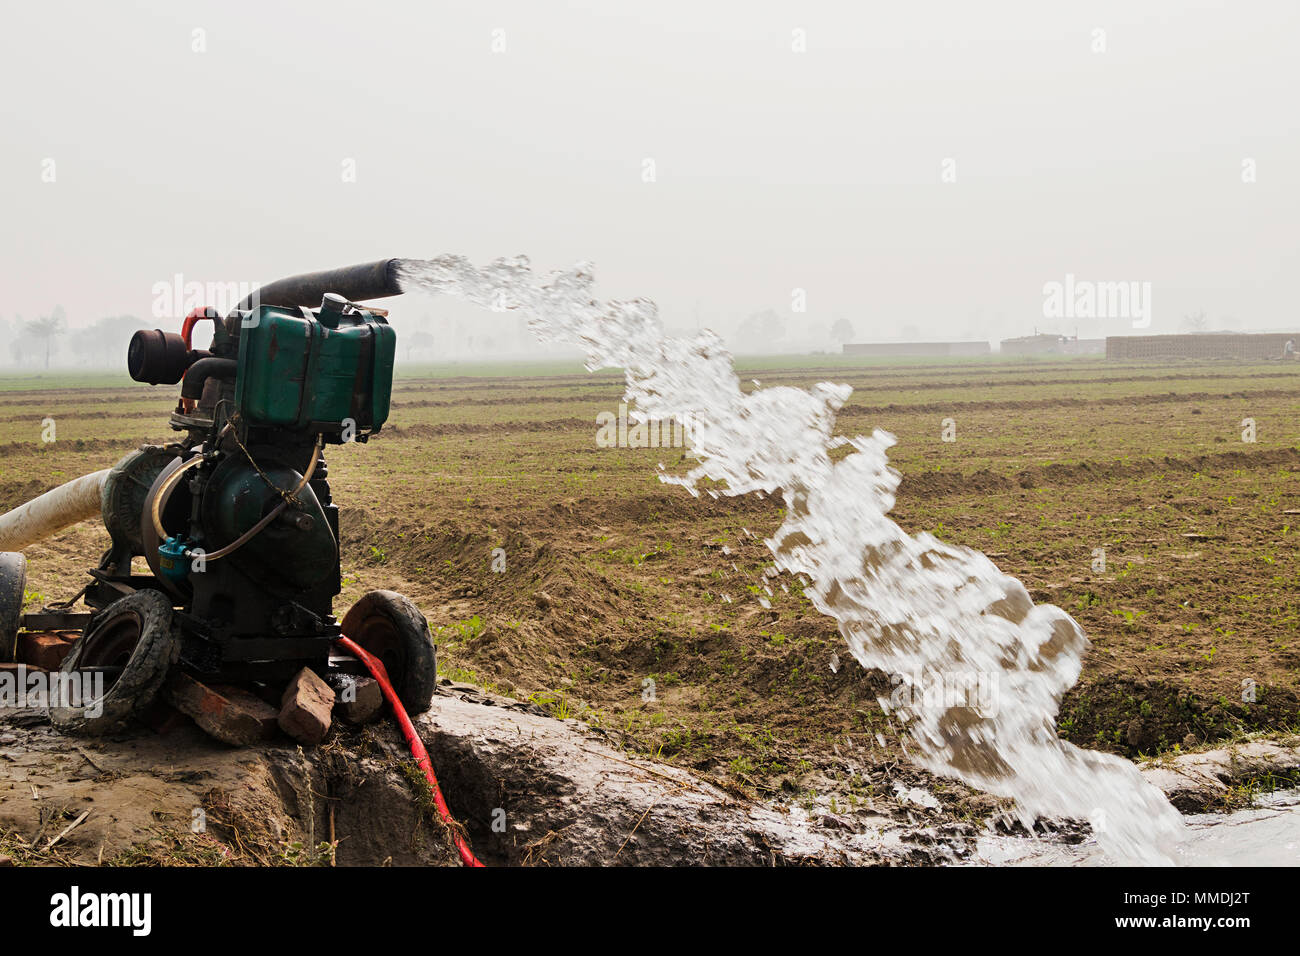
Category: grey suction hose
<point>53,511</point>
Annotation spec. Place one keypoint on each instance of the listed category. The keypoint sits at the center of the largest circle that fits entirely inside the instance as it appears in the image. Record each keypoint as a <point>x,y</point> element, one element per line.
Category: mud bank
<point>528,788</point>
<point>1228,777</point>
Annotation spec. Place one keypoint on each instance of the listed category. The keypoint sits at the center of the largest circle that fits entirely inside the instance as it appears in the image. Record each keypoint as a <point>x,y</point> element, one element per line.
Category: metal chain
<point>290,497</point>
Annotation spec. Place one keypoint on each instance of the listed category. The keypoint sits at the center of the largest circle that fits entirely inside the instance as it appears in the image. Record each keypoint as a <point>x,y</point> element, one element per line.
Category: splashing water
<point>909,605</point>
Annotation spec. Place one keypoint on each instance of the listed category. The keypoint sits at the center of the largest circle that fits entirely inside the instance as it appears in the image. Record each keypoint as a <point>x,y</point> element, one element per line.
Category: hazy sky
<point>774,169</point>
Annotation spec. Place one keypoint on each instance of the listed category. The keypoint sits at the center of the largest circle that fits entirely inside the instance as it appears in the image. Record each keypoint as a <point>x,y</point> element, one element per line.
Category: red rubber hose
<point>377,670</point>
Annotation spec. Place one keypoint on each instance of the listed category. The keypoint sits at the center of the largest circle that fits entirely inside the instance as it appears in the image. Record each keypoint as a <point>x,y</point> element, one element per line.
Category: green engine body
<point>315,371</point>
<point>236,520</point>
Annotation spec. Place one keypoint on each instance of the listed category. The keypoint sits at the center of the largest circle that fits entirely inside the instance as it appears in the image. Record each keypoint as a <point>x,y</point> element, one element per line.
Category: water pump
<point>235,520</point>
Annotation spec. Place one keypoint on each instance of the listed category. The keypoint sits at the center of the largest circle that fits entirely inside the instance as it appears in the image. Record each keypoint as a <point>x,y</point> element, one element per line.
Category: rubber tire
<point>416,662</point>
<point>142,677</point>
<point>13,589</point>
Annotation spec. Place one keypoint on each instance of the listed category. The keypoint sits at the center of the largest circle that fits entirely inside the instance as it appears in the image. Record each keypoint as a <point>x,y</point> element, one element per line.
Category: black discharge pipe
<point>371,280</point>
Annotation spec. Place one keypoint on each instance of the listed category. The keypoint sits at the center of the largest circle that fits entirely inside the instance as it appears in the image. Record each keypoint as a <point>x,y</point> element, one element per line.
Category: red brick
<point>265,713</point>
<point>231,715</point>
<point>358,700</point>
<point>305,708</point>
<point>43,650</point>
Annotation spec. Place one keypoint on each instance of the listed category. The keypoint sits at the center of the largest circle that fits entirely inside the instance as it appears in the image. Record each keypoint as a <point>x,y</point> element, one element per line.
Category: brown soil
<point>614,583</point>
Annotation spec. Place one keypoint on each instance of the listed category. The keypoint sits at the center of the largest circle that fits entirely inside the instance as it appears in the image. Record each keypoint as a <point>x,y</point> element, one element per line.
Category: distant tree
<point>760,330</point>
<point>104,342</point>
<point>1196,322</point>
<point>842,331</point>
<point>16,340</point>
<point>46,328</point>
<point>418,342</point>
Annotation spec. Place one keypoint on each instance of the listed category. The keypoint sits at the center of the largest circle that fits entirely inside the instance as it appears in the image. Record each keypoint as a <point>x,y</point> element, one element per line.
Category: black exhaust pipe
<point>372,280</point>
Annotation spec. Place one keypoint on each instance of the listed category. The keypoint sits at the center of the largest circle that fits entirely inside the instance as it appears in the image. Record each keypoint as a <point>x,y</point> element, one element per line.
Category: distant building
<point>1051,344</point>
<point>1039,344</point>
<point>1243,347</point>
<point>919,349</point>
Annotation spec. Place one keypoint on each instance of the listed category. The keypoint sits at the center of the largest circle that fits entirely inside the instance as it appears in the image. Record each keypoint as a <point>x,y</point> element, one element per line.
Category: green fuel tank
<point>315,371</point>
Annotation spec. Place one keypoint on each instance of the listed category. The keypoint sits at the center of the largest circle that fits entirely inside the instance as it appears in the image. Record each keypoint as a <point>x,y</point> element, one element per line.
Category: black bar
<point>931,909</point>
<point>53,621</point>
